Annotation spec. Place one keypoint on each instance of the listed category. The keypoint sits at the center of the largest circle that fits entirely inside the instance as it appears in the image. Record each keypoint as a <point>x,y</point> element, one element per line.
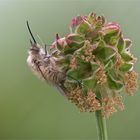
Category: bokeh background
<point>30,109</point>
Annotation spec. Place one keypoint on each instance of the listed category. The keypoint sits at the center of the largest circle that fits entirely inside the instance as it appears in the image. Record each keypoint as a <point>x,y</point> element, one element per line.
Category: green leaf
<point>71,48</point>
<point>94,66</point>
<point>103,52</point>
<point>83,28</point>
<point>114,84</point>
<point>113,74</point>
<point>121,45</point>
<point>125,67</point>
<point>74,38</point>
<point>93,35</point>
<point>91,18</point>
<point>83,71</point>
<point>65,60</point>
<point>111,33</point>
<point>111,38</point>
<point>74,42</point>
<point>90,83</point>
<point>100,20</point>
<point>126,57</point>
<point>76,74</point>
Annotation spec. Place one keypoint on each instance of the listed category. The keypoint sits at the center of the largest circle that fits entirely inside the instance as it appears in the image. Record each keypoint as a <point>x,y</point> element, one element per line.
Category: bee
<point>45,65</point>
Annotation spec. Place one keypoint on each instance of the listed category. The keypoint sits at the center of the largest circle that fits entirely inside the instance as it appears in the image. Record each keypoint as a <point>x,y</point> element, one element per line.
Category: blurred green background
<point>30,109</point>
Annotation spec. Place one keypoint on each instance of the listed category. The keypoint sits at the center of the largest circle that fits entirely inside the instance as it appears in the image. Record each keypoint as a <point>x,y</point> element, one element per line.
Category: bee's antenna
<point>46,52</point>
<point>40,71</point>
<point>30,32</point>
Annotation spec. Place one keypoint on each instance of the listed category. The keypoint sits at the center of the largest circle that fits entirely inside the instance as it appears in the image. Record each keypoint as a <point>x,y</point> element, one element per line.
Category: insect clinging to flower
<point>43,64</point>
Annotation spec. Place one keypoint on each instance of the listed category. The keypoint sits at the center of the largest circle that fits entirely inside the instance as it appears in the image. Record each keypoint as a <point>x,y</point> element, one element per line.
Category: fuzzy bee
<point>46,66</point>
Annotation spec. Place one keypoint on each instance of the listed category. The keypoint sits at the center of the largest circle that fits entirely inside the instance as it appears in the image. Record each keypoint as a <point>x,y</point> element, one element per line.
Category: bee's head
<point>35,48</point>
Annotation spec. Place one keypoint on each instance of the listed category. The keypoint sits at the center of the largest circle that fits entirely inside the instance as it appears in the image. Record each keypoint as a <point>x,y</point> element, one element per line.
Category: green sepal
<point>121,45</point>
<point>90,83</point>
<point>111,33</point>
<point>91,18</point>
<point>65,60</point>
<point>83,71</point>
<point>111,38</point>
<point>74,38</point>
<point>94,66</point>
<point>126,56</point>
<point>74,42</point>
<point>93,35</point>
<point>100,20</point>
<point>102,52</point>
<point>125,67</point>
<point>114,84</point>
<point>83,28</point>
<point>72,48</point>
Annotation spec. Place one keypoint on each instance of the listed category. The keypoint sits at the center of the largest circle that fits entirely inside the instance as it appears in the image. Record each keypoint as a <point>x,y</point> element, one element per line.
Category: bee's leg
<point>37,64</point>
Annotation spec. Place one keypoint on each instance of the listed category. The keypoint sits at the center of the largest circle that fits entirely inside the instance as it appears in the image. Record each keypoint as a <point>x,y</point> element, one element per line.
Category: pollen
<point>131,84</point>
<point>119,62</point>
<point>93,103</point>
<point>108,107</point>
<point>88,50</point>
<point>118,102</point>
<point>76,96</point>
<point>101,76</point>
<point>87,58</point>
<point>73,63</point>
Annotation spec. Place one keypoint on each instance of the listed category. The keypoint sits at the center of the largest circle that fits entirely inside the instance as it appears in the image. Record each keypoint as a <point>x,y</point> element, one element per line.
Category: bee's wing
<point>61,89</point>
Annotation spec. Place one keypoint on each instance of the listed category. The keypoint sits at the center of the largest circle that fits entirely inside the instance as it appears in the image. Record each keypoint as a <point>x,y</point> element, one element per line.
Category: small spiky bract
<point>98,63</point>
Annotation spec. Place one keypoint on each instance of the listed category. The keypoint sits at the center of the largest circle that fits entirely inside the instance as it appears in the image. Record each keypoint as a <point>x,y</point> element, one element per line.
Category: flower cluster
<point>101,76</point>
<point>111,104</point>
<point>98,63</point>
<point>84,103</point>
<point>131,84</point>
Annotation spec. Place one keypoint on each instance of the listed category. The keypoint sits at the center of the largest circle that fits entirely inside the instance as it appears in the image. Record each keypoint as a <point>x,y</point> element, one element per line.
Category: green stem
<point>101,126</point>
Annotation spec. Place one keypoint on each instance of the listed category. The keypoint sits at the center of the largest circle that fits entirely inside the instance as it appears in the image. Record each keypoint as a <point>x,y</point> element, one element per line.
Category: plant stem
<point>101,126</point>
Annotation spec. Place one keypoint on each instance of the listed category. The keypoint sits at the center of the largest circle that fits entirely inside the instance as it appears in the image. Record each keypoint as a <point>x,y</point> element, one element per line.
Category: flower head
<point>99,63</point>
